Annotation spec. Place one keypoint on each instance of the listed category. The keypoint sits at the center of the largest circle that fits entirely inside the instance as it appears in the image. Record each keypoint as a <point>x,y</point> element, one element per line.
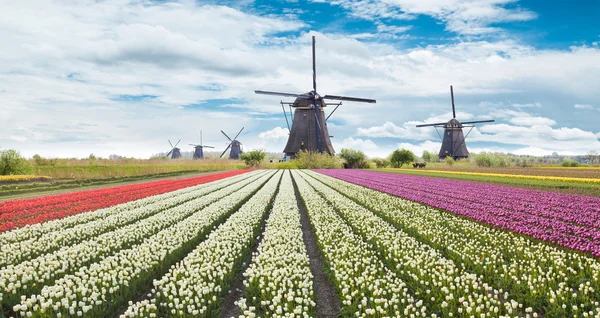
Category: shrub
<point>426,155</point>
<point>401,157</point>
<point>449,161</point>
<point>489,159</point>
<point>253,158</point>
<point>317,160</point>
<point>355,159</point>
<point>569,163</point>
<point>12,163</point>
<point>381,163</point>
<point>39,161</point>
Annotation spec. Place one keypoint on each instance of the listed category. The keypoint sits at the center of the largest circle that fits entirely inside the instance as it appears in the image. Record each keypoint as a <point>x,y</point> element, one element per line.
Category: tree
<point>253,158</point>
<point>401,157</point>
<point>381,163</point>
<point>426,156</point>
<point>355,159</point>
<point>592,156</point>
<point>12,163</point>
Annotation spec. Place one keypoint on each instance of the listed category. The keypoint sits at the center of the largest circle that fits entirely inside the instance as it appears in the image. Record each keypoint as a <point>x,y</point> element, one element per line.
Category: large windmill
<point>198,149</point>
<point>309,125</point>
<point>453,142</point>
<point>236,146</point>
<point>175,152</point>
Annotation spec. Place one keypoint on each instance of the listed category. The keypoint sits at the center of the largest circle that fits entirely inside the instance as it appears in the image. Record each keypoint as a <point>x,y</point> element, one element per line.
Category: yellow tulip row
<point>503,175</point>
<point>23,178</point>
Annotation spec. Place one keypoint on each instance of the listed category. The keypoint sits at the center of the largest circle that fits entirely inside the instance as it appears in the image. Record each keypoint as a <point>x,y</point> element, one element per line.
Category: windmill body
<point>235,145</point>
<point>309,125</point>
<point>453,142</point>
<point>175,152</point>
<point>199,149</point>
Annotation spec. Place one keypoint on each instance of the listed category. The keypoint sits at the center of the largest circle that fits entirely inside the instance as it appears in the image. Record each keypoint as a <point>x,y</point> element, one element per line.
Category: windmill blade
<point>169,153</point>
<point>226,135</point>
<point>478,121</point>
<point>221,156</point>
<point>452,96</point>
<point>280,94</point>
<point>238,133</point>
<point>427,125</point>
<point>170,144</point>
<point>195,145</point>
<point>208,146</point>
<point>350,99</point>
<point>314,60</point>
<point>177,143</point>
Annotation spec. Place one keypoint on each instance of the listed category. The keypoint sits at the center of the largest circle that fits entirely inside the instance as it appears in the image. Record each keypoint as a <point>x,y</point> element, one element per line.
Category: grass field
<point>583,182</point>
<point>102,169</point>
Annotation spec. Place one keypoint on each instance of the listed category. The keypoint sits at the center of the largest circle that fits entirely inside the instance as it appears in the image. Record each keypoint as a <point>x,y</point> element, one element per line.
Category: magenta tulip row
<point>571,221</point>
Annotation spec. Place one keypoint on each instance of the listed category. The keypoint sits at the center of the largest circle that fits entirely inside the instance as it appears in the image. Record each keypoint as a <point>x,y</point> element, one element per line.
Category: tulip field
<point>283,243</point>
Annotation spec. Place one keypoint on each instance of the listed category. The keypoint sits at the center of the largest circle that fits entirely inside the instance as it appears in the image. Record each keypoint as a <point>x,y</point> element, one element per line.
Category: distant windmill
<point>309,126</point>
<point>175,152</point>
<point>198,149</point>
<point>235,145</point>
<point>453,143</point>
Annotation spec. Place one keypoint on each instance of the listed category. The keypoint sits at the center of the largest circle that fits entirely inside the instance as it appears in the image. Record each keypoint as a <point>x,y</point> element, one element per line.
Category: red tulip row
<point>18,213</point>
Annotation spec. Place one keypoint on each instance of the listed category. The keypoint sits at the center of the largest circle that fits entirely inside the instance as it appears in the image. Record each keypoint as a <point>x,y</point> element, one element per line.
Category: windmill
<point>453,142</point>
<point>309,126</point>
<point>198,149</point>
<point>175,153</point>
<point>235,145</point>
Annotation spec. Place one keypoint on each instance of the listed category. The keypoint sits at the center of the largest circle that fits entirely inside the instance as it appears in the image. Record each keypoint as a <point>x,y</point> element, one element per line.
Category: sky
<point>125,76</point>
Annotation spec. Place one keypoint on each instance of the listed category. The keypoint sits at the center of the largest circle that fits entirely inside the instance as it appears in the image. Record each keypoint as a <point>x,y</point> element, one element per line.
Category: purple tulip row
<point>571,221</point>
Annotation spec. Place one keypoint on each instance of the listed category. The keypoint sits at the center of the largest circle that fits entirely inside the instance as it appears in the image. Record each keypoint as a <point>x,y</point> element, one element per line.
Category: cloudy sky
<point>122,77</point>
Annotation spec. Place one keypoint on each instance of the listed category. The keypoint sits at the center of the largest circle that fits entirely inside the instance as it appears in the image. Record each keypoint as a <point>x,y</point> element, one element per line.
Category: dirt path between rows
<point>328,305</point>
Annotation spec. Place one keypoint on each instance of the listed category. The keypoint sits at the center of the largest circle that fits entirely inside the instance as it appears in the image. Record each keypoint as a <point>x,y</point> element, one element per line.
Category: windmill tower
<point>309,126</point>
<point>236,146</point>
<point>453,142</point>
<point>198,149</point>
<point>175,152</point>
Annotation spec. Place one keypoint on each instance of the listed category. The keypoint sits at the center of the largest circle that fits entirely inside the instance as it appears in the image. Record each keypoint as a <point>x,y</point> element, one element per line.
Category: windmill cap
<point>453,123</point>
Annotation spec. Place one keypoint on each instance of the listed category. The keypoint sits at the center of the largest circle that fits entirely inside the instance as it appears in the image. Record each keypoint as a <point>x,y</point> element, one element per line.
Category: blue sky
<point>123,76</point>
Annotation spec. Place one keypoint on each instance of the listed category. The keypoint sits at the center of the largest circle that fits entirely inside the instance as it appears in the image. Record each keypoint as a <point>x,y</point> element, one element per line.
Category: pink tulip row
<point>571,221</point>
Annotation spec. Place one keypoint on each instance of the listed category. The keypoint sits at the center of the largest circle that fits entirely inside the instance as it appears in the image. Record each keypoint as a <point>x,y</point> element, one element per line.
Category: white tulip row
<point>194,287</point>
<point>36,230</point>
<point>554,281</point>
<point>112,218</point>
<point>99,289</point>
<point>278,281</point>
<point>30,276</point>
<point>365,285</point>
<point>447,288</point>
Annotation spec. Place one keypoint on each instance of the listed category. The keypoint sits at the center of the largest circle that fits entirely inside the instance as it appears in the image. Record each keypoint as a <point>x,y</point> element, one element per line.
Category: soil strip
<point>328,305</point>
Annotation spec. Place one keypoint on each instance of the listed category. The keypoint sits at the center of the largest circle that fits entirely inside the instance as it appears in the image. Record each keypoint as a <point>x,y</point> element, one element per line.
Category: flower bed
<point>18,213</point>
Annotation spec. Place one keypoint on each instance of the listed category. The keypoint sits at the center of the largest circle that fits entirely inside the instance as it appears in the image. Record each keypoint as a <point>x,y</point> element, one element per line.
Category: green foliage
<point>489,159</point>
<point>569,163</point>
<point>380,162</point>
<point>449,161</point>
<point>401,157</point>
<point>426,155</point>
<point>12,163</point>
<point>39,161</point>
<point>316,160</point>
<point>355,159</point>
<point>253,158</point>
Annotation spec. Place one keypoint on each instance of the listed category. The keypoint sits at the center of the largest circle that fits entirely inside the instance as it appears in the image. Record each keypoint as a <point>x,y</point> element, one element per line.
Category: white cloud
<point>462,16</point>
<point>357,143</point>
<point>532,121</point>
<point>528,105</point>
<point>275,133</point>
<point>417,149</point>
<point>583,106</point>
<point>81,61</point>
